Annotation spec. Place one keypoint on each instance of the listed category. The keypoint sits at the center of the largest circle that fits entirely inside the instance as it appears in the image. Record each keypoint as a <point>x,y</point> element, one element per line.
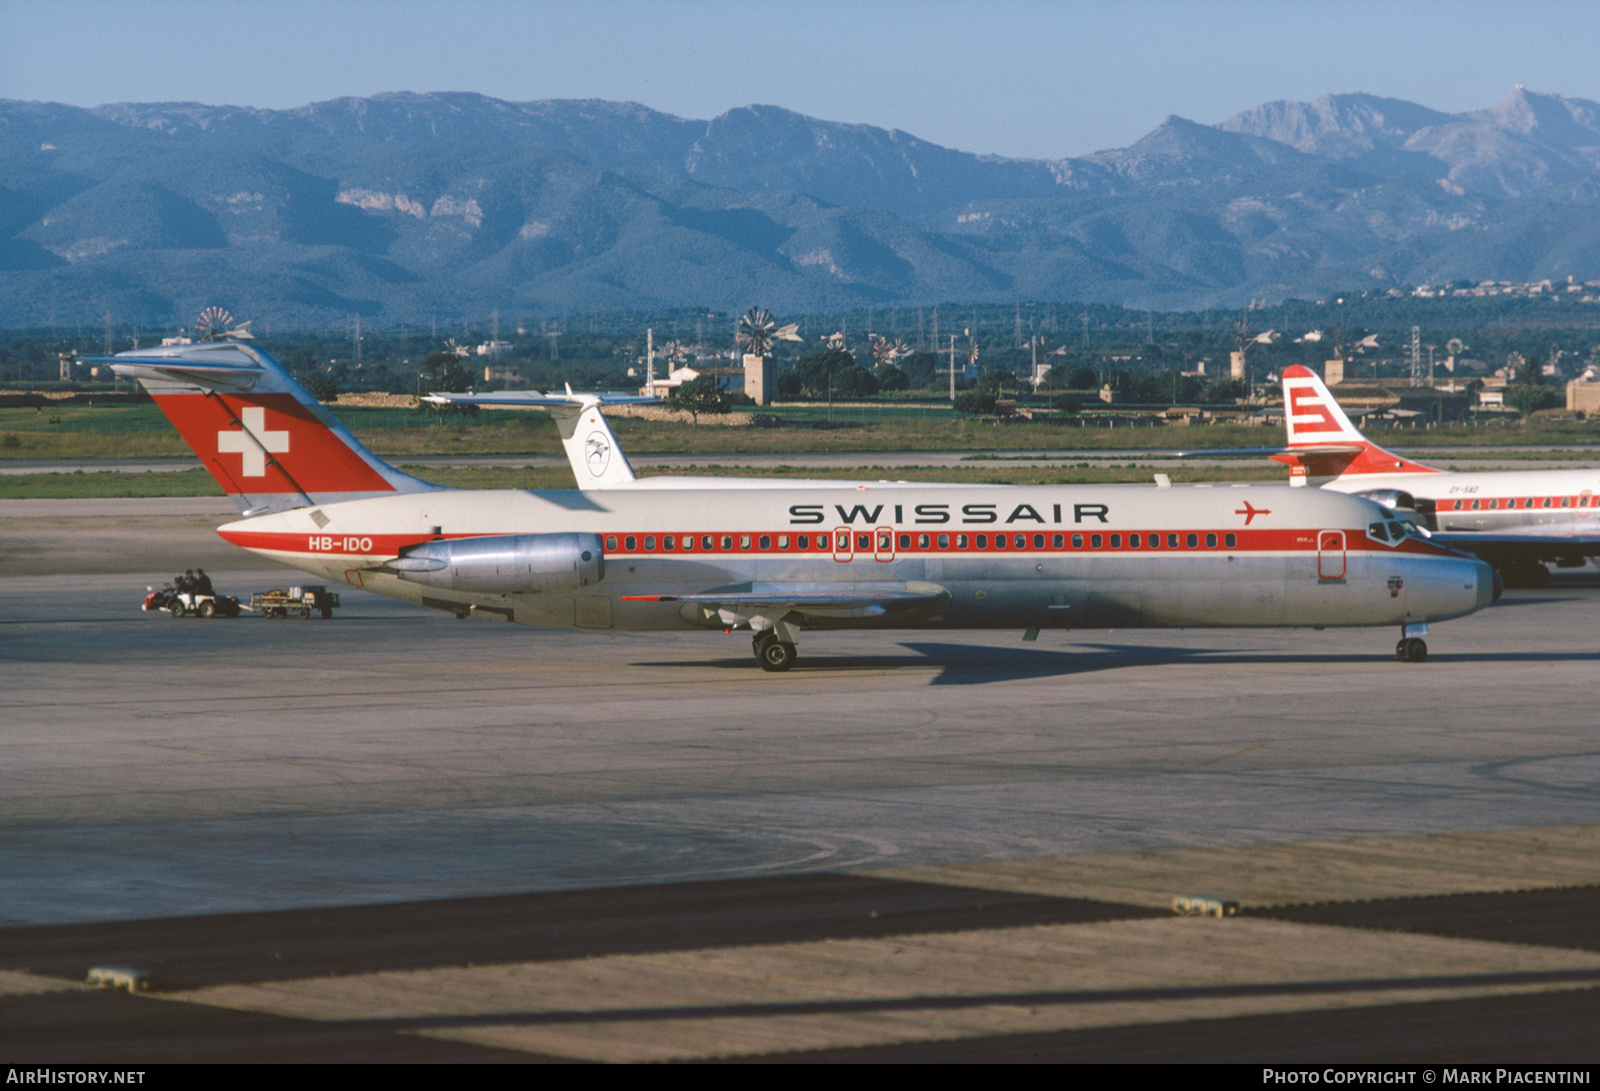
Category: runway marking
<point>1285,874</point>
<point>20,983</point>
<point>1235,754</point>
<point>783,997</point>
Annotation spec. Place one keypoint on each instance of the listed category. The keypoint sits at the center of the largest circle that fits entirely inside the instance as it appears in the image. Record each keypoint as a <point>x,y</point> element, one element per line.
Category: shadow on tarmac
<point>970,665</point>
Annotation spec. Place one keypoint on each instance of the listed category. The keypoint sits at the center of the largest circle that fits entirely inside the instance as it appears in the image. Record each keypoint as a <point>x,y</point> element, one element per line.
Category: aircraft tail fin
<point>266,440</point>
<point>597,458</point>
<point>1323,444</point>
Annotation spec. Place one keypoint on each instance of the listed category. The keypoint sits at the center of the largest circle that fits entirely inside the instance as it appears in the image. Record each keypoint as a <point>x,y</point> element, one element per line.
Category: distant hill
<point>405,206</point>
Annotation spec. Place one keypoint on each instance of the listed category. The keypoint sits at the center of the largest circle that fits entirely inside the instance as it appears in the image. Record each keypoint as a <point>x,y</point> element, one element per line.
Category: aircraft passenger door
<point>884,542</point>
<point>1330,555</point>
<point>843,545</point>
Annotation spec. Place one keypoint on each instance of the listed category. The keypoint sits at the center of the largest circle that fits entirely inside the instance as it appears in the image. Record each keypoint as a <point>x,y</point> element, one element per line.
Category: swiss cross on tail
<point>255,442</point>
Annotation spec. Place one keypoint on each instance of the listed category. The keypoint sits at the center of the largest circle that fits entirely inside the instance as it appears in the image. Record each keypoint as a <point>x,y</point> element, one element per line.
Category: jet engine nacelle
<point>506,563</point>
<point>1393,499</point>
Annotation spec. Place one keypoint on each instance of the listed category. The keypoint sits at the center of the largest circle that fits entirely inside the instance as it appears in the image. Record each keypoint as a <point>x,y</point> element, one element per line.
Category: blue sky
<point>1009,77</point>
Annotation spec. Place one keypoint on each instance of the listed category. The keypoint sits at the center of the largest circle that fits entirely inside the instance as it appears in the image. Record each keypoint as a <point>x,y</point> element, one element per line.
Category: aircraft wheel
<point>774,654</point>
<point>1411,650</point>
<point>175,608</point>
<point>207,609</point>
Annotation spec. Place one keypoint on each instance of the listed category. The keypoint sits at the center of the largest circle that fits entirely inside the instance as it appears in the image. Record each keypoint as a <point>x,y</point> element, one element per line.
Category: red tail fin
<point>268,443</point>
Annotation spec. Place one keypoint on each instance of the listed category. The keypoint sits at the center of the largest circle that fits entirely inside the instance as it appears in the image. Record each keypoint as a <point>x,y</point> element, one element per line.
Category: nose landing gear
<point>1411,649</point>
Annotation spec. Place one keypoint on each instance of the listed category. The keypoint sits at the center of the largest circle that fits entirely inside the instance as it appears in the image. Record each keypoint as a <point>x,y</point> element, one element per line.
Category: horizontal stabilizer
<point>537,399</point>
<point>1301,449</point>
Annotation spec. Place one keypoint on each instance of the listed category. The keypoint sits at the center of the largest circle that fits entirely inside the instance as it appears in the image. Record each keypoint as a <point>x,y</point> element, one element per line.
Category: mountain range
<point>404,206</point>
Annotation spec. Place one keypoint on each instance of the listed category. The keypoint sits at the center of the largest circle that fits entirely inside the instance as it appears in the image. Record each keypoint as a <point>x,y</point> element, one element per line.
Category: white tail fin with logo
<point>592,448</point>
<point>1323,444</point>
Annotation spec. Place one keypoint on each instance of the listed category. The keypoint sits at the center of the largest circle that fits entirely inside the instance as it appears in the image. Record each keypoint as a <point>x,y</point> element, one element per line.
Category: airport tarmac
<point>618,846</point>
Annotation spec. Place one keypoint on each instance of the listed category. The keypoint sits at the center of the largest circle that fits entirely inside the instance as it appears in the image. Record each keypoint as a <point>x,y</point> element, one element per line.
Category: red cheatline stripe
<point>824,544</point>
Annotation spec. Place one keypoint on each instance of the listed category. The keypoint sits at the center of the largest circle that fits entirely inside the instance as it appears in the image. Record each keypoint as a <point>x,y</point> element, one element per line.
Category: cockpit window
<point>1398,530</point>
<point>1376,531</point>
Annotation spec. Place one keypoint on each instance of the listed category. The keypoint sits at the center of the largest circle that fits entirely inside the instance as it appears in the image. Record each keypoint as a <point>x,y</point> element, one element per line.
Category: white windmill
<point>216,324</point>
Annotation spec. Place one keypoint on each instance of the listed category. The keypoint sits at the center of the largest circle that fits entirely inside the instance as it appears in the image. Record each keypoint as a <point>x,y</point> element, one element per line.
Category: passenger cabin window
<point>766,542</point>
<point>1172,541</point>
<point>923,541</point>
<point>983,541</point>
<point>803,541</point>
<point>744,541</point>
<point>1193,540</point>
<point>1094,541</point>
<point>1211,541</point>
<point>944,541</point>
<point>727,542</point>
<point>1077,541</point>
<point>1230,540</point>
<point>630,543</point>
<point>668,542</point>
<point>1133,541</point>
<point>1116,541</point>
<point>783,541</point>
<point>611,543</point>
<point>905,541</point>
<point>961,541</point>
<point>864,542</point>
<point>999,541</point>
<point>688,542</point>
<point>1057,541</point>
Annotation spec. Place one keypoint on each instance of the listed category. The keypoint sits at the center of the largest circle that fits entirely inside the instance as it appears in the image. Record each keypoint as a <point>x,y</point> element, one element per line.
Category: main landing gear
<point>773,654</point>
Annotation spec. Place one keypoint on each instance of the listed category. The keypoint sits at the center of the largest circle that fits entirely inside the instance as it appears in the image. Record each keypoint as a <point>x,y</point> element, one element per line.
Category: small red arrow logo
<point>1250,513</point>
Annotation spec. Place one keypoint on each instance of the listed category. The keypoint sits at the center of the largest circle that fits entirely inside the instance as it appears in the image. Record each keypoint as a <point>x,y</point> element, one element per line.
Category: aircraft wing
<point>1530,543</point>
<point>740,602</point>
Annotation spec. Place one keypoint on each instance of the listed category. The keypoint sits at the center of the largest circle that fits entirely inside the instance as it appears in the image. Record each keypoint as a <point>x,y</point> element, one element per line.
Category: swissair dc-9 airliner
<point>776,558</point>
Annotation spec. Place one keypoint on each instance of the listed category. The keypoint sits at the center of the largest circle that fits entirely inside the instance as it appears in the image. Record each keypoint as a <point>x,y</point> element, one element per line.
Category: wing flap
<point>774,600</point>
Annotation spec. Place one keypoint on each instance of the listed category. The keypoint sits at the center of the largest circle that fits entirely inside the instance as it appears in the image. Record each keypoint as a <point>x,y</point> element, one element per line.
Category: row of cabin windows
<point>882,542</point>
<point>1526,502</point>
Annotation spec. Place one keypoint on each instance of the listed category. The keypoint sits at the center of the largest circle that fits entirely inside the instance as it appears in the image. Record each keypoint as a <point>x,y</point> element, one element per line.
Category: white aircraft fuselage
<point>984,556</point>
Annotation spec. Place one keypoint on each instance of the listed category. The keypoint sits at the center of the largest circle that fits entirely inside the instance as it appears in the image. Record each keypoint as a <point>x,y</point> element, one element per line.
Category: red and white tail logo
<point>268,443</point>
<point>1310,412</point>
<point>1322,441</point>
